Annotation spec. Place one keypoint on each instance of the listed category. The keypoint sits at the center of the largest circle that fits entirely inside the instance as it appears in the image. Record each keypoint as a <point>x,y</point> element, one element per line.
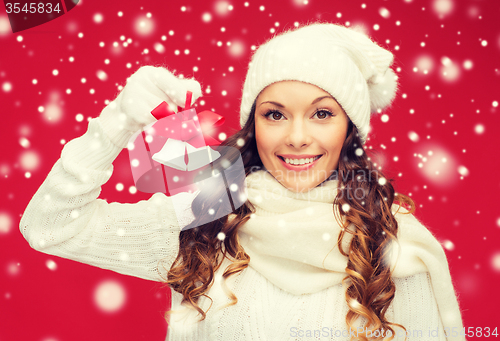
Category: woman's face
<point>299,131</point>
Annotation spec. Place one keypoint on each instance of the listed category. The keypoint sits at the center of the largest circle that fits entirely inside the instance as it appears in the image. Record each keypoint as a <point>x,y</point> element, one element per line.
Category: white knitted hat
<point>343,62</point>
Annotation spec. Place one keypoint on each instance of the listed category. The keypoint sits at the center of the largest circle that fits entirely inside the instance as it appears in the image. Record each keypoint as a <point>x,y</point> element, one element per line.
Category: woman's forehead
<point>289,90</point>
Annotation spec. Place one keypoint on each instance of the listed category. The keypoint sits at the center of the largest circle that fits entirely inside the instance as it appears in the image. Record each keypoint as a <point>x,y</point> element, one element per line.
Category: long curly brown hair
<point>366,198</point>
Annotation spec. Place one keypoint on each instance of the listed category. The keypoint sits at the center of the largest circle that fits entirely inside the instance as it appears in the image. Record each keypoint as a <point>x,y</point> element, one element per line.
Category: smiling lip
<point>298,167</point>
<point>300,156</point>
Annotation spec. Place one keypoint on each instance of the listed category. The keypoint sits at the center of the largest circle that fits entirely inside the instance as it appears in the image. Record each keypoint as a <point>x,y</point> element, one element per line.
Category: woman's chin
<point>298,181</point>
<point>300,186</point>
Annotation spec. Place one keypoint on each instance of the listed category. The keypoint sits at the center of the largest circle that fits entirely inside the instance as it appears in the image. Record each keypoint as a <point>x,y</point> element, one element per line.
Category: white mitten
<point>145,89</point>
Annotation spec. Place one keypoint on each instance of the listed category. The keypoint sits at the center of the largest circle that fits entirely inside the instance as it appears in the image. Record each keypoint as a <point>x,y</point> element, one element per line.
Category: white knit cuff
<point>93,150</point>
<point>114,123</point>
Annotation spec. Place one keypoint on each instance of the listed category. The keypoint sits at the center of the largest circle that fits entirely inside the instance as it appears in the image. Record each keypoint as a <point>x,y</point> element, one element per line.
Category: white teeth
<point>301,161</point>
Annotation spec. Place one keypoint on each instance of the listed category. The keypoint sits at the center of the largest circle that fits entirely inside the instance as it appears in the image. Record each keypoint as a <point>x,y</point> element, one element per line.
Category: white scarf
<point>292,241</point>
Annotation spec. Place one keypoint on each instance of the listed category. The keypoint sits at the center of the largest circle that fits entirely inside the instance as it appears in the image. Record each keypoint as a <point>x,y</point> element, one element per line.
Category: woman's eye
<point>322,114</point>
<point>274,115</point>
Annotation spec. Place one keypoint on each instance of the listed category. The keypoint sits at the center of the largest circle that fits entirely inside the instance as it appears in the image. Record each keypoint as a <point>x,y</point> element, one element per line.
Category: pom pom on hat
<point>382,92</point>
<point>343,62</point>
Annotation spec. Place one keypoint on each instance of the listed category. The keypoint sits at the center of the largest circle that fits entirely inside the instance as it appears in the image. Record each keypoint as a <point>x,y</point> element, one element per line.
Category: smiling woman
<point>300,130</point>
<point>322,242</point>
<point>321,221</point>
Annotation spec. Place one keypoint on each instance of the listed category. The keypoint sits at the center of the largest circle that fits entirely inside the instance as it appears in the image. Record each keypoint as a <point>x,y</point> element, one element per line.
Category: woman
<point>322,248</point>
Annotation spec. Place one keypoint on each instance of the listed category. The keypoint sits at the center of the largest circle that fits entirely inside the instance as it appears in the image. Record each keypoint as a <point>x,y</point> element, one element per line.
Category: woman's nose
<point>298,136</point>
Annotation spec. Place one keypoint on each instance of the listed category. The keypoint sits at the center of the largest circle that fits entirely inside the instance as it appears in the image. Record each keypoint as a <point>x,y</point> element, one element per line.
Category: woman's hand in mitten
<point>145,89</point>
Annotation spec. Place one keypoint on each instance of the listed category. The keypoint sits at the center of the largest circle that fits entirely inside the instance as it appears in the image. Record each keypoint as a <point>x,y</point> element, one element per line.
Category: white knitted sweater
<point>65,218</point>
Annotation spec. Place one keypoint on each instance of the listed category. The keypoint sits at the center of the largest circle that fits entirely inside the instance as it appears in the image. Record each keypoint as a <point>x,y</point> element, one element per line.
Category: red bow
<point>183,126</point>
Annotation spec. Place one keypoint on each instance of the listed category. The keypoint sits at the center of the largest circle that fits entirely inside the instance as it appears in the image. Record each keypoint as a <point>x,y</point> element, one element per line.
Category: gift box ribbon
<point>187,134</point>
<point>181,125</point>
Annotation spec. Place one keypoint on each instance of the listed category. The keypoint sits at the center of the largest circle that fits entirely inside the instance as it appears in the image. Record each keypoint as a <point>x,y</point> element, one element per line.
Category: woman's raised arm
<point>65,217</point>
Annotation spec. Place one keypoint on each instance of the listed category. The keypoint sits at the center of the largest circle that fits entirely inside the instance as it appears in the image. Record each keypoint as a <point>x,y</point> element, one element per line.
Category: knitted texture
<point>294,235</point>
<point>266,312</point>
<point>65,218</point>
<point>339,60</point>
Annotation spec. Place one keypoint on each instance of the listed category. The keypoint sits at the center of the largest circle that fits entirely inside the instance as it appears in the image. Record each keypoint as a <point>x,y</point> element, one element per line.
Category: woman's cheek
<point>265,143</point>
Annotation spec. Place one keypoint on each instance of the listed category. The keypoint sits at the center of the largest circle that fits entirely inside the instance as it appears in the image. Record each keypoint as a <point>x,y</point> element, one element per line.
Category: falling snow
<point>110,296</point>
<point>29,160</point>
<point>495,262</point>
<point>51,265</point>
<point>448,245</point>
<point>449,71</point>
<point>425,64</point>
<point>4,25</point>
<point>442,7</point>
<point>7,87</point>
<point>413,136</point>
<point>6,223</point>
<point>436,140</point>
<point>479,128</point>
<point>384,12</point>
<point>144,25</point>
<point>463,170</point>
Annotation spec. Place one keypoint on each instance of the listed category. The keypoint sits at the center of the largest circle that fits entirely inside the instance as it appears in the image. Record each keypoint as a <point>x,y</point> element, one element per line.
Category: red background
<point>454,115</point>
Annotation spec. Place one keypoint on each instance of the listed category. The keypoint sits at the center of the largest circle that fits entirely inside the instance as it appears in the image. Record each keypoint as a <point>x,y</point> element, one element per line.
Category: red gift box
<point>168,154</point>
<point>176,154</point>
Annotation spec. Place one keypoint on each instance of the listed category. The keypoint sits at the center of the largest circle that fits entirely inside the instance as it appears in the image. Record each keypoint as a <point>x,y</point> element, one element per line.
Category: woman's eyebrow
<point>275,103</point>
<point>320,98</point>
<point>282,106</point>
